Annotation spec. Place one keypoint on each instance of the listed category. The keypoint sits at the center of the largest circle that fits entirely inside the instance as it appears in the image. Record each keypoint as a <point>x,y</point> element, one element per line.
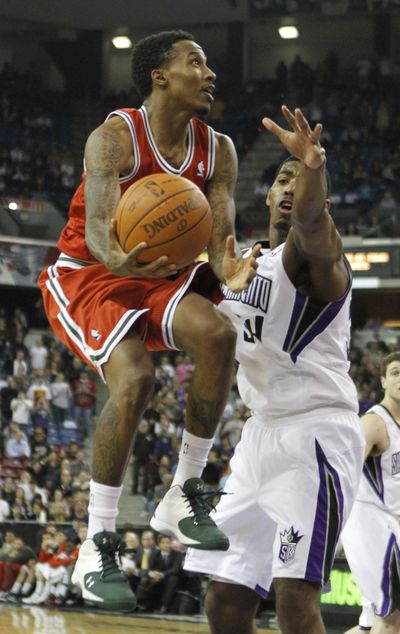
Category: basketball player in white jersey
<point>371,537</point>
<point>296,469</point>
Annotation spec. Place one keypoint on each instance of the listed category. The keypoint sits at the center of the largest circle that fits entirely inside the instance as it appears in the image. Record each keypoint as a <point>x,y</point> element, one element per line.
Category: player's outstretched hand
<point>302,141</point>
<point>238,272</point>
<point>121,263</point>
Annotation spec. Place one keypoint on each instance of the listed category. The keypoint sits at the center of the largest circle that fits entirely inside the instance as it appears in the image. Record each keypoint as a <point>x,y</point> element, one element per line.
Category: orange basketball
<point>168,212</point>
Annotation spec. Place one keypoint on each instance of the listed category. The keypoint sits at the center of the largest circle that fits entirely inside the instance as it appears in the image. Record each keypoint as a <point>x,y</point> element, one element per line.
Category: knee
<point>218,336</point>
<point>297,603</point>
<point>133,383</point>
<point>230,608</point>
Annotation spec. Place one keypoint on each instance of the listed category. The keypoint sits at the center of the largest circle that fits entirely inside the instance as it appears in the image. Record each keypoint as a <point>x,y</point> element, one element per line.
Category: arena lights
<point>288,29</point>
<point>122,42</point>
<point>13,206</point>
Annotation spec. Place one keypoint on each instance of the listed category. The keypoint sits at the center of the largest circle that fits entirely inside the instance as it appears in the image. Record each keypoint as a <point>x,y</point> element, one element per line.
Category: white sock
<point>16,587</point>
<point>38,589</point>
<point>192,457</point>
<point>26,589</point>
<point>103,507</point>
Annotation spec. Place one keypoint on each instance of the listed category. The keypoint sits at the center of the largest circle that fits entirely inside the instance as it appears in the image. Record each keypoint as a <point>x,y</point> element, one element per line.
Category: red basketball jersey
<point>198,167</point>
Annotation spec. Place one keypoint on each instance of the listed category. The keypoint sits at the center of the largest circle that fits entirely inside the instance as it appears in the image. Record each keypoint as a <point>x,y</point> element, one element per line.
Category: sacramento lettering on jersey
<point>256,295</point>
<point>152,228</point>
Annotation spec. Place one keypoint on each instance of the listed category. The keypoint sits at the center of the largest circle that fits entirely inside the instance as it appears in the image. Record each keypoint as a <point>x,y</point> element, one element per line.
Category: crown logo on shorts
<point>289,540</point>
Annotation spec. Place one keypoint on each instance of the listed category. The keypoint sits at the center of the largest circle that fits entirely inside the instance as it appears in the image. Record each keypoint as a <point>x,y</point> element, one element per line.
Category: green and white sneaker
<point>96,573</point>
<point>184,513</point>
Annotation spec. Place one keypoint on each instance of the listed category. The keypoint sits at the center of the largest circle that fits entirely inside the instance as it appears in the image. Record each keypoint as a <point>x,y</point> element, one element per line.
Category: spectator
<point>84,400</point>
<point>156,495</point>
<point>41,413</point>
<point>39,389</point>
<point>51,470</point>
<point>20,365</point>
<point>38,512</point>
<point>142,450</point>
<point>20,555</point>
<point>59,510</point>
<point>4,507</point>
<point>8,545</point>
<point>81,482</point>
<point>38,355</point>
<point>130,545</point>
<point>213,470</point>
<point>79,463</point>
<point>79,506</point>
<point>17,446</point>
<point>9,490</point>
<point>21,408</point>
<point>157,588</point>
<point>39,443</point>
<point>61,399</point>
<point>7,393</point>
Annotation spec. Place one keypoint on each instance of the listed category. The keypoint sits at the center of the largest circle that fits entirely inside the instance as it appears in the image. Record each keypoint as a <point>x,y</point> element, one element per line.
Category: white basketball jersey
<point>292,349</point>
<point>380,483</point>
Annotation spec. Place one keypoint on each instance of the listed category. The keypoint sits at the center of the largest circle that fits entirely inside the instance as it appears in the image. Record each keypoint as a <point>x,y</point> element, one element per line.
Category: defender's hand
<point>121,263</point>
<point>302,142</point>
<point>238,272</point>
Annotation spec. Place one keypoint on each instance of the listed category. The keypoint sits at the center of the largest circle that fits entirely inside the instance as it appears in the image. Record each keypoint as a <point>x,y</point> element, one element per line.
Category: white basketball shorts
<point>292,485</point>
<point>371,540</point>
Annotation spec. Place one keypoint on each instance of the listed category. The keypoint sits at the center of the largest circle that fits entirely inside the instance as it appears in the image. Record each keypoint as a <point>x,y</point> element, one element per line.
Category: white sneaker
<point>184,513</point>
<point>32,600</point>
<point>102,583</point>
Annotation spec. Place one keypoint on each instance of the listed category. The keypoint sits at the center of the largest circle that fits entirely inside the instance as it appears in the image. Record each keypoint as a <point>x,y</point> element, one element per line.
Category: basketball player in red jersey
<point>111,311</point>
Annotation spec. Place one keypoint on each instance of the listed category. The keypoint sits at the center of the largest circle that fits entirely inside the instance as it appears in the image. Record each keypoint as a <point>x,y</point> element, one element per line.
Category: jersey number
<point>253,329</point>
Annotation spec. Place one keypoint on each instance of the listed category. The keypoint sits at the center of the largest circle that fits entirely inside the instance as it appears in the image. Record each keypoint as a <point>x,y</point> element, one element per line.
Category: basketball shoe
<point>97,574</point>
<point>184,513</point>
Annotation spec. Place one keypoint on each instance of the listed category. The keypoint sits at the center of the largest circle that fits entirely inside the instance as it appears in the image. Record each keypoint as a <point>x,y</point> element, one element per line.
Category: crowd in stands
<point>358,106</point>
<point>36,158</point>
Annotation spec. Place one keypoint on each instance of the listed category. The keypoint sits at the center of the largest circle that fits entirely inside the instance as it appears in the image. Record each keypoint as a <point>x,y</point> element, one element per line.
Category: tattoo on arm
<point>102,190</point>
<point>220,195</point>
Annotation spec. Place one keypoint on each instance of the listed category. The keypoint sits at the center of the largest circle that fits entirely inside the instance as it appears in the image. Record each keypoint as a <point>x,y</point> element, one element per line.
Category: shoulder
<point>224,143</point>
<point>375,430</point>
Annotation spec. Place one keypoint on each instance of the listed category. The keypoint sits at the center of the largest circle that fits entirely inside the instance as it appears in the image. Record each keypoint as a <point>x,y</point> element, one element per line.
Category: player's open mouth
<point>285,207</point>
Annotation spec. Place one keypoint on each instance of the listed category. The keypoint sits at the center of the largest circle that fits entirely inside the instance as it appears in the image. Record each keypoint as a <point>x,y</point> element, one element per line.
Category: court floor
<point>38,620</point>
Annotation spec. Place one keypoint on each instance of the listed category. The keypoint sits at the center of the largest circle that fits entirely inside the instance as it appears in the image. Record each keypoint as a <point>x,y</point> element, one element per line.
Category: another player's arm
<point>375,433</point>
<point>108,153</point>
<point>223,252</point>
<point>313,237</point>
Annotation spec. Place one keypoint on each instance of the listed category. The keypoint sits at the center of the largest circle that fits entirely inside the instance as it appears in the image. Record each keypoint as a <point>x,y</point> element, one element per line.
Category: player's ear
<point>328,204</point>
<point>159,77</point>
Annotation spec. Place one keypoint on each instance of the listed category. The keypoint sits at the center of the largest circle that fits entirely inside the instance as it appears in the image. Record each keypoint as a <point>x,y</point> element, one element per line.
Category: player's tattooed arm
<point>108,154</point>
<point>220,192</point>
<point>223,251</point>
<point>104,161</point>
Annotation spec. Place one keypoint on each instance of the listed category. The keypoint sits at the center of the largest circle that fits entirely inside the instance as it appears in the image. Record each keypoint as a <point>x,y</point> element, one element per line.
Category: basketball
<point>168,212</point>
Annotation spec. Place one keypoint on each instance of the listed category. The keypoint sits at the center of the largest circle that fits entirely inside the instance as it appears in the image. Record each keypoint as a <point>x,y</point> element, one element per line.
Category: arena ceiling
<point>110,14</point>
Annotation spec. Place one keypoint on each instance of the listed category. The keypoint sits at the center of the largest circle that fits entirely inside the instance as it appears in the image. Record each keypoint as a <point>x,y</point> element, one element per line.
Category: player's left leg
<point>231,608</point>
<point>298,606</point>
<point>209,337</point>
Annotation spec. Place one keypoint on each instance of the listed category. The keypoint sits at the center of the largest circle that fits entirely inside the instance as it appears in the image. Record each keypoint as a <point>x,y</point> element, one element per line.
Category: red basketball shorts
<point>91,310</point>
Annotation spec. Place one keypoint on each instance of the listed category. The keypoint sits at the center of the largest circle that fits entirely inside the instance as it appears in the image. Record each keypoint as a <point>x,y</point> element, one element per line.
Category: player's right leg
<point>130,375</point>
